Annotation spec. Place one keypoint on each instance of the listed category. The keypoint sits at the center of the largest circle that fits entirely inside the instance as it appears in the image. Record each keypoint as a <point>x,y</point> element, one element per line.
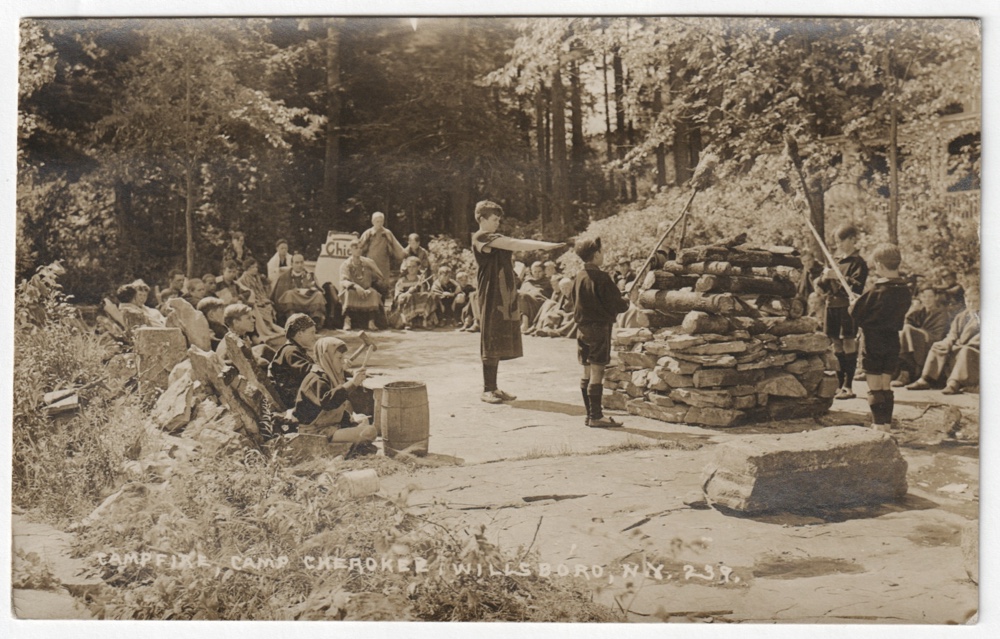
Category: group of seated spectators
<point>544,301</point>
<point>422,295</point>
<point>939,344</point>
<point>308,373</point>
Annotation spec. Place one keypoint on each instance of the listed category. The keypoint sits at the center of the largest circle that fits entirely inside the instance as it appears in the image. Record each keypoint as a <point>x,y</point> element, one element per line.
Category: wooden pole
<point>797,163</point>
<point>634,292</point>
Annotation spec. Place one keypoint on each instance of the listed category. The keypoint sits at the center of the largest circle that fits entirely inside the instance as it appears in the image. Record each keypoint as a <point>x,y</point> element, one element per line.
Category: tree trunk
<point>817,212</point>
<point>331,162</point>
<point>560,173</point>
<point>460,208</point>
<point>697,323</point>
<point>460,179</point>
<point>633,187</point>
<point>188,177</point>
<point>189,219</point>
<point>616,61</point>
<point>667,281</point>
<point>542,140</point>
<point>893,177</point>
<point>577,183</point>
<point>661,151</point>
<point>608,139</point>
<point>744,285</point>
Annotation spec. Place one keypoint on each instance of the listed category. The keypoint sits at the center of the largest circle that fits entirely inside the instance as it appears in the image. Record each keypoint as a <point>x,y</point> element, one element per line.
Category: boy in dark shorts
<point>839,326</point>
<point>880,314</point>
<point>597,303</point>
<point>497,293</point>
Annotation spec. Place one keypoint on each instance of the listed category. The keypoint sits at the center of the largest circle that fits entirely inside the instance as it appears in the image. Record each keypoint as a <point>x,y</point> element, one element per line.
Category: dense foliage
<point>142,142</point>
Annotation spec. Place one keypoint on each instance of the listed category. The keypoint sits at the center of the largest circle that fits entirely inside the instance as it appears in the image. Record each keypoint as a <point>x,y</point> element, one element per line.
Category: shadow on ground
<point>809,516</point>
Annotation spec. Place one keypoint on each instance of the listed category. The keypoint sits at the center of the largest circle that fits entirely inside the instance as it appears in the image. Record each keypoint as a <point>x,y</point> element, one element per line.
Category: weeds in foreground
<point>64,466</point>
<point>276,545</point>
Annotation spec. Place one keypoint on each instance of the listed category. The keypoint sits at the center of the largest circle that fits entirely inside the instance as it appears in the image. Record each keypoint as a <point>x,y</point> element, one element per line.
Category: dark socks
<point>850,366</point>
<point>843,367</point>
<point>595,392</point>
<point>584,384</point>
<point>490,368</point>
<point>875,405</point>
<point>882,404</point>
<point>890,405</point>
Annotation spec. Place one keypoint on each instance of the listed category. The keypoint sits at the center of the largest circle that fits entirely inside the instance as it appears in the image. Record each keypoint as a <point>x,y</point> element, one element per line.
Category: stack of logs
<point>724,342</point>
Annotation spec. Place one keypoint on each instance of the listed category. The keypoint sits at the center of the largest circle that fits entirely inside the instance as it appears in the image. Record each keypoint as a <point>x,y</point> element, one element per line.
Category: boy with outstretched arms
<point>497,293</point>
<point>880,314</point>
<point>597,303</point>
<point>838,325</point>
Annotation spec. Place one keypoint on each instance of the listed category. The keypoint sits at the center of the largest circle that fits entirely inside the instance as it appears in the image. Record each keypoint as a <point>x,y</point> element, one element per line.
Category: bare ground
<point>615,499</point>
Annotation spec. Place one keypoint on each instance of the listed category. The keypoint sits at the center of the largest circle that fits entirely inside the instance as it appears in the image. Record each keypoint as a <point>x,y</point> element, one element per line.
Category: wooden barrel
<point>405,418</point>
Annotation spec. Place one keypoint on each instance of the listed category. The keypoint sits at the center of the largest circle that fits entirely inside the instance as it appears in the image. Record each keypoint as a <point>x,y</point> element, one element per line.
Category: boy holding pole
<point>838,325</point>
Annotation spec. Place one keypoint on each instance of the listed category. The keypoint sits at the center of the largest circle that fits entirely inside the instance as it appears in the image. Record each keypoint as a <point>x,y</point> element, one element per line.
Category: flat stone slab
<point>828,468</point>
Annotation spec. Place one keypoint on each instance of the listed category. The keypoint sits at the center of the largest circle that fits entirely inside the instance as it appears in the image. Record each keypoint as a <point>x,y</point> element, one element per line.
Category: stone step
<point>827,468</point>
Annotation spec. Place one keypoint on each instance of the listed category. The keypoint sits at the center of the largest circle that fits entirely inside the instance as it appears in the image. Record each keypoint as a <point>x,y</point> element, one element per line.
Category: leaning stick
<point>793,153</point>
<point>699,179</point>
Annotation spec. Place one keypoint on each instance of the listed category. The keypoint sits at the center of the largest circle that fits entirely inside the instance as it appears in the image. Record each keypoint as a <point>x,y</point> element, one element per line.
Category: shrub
<point>446,250</point>
<point>65,466</point>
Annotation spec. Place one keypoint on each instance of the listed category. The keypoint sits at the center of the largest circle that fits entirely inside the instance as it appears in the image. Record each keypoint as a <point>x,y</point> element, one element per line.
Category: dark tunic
<point>855,271</point>
<point>318,394</point>
<point>288,369</point>
<point>500,321</point>
<point>880,314</point>
<point>597,300</point>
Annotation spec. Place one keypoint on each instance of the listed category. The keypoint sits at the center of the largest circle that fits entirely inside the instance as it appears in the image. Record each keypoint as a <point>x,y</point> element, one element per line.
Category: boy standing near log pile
<point>597,303</point>
<point>880,314</point>
<point>839,326</point>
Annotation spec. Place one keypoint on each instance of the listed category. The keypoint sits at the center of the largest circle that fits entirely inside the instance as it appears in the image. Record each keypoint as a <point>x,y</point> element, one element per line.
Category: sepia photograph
<point>583,319</point>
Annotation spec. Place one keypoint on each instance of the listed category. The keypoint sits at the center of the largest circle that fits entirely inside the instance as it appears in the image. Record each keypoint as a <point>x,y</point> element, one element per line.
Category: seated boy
<point>240,322</point>
<point>597,304</point>
<point>214,311</point>
<point>228,289</point>
<point>412,298</point>
<point>532,293</point>
<point>293,360</point>
<point>555,319</point>
<point>956,357</point>
<point>925,324</point>
<point>880,314</point>
<point>445,292</point>
<point>464,301</point>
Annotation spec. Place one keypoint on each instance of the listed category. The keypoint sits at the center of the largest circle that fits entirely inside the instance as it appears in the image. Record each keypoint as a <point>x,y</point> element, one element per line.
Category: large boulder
<point>172,411</point>
<point>828,468</point>
<point>191,321</point>
<point>157,351</point>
